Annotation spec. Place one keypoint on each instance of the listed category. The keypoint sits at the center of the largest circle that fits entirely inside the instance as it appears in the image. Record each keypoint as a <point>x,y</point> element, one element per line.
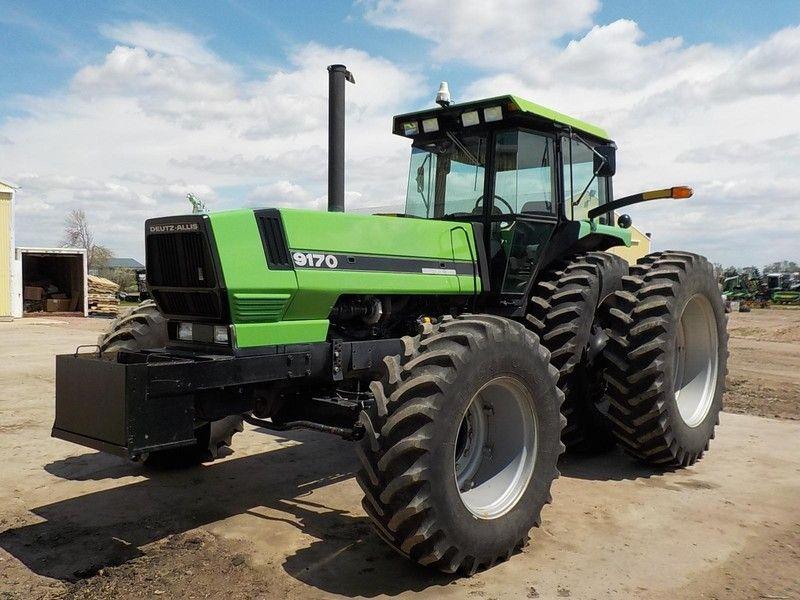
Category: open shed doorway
<point>53,281</point>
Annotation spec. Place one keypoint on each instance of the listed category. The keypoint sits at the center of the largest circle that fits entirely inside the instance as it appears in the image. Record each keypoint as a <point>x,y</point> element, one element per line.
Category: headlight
<point>411,128</point>
<point>430,125</point>
<point>185,332</point>
<point>492,114</point>
<point>470,118</point>
<point>221,334</point>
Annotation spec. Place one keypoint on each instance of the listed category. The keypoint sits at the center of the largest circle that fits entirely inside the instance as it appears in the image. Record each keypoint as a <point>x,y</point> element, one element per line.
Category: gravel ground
<point>280,516</point>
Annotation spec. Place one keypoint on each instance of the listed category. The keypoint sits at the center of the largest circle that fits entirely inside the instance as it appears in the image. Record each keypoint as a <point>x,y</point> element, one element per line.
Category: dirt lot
<point>764,366</point>
<point>280,517</point>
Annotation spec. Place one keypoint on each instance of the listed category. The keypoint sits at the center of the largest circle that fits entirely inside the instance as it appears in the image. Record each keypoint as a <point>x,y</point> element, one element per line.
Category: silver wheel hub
<point>496,446</point>
<point>696,360</point>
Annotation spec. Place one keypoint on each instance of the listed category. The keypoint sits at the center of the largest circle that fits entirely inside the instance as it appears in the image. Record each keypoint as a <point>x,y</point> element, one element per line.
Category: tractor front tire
<point>143,327</point>
<point>563,312</point>
<point>461,446</point>
<point>666,359</point>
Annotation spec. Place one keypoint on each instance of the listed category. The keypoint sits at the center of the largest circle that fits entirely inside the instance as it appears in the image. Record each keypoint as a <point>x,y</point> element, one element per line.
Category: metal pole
<point>337,75</point>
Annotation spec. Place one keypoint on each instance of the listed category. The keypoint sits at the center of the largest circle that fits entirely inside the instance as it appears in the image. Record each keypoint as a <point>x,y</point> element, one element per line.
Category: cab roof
<point>511,106</point>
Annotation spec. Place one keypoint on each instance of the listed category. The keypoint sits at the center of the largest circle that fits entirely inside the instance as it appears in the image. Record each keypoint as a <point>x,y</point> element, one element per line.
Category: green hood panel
<point>373,234</point>
<point>340,253</point>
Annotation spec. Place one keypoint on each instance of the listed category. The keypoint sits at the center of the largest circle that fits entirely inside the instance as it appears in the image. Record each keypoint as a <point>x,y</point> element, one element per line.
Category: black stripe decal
<point>316,259</point>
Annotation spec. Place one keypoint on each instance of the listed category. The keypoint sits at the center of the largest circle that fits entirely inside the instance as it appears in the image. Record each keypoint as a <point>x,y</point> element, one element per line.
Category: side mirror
<point>605,160</point>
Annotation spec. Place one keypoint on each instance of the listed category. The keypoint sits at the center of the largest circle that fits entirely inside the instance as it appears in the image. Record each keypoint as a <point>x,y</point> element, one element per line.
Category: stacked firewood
<point>103,296</point>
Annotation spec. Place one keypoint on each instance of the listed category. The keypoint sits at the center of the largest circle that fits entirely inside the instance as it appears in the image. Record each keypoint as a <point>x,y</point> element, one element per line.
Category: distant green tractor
<point>783,288</point>
<point>460,344</point>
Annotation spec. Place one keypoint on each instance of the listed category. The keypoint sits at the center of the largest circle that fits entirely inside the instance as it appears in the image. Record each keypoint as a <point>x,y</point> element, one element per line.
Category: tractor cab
<point>518,170</point>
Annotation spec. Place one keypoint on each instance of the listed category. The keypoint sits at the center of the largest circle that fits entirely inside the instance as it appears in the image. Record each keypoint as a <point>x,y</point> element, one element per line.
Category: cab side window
<point>578,164</point>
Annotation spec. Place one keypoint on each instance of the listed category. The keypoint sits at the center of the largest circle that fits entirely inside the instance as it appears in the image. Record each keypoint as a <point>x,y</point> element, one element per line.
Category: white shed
<point>47,269</point>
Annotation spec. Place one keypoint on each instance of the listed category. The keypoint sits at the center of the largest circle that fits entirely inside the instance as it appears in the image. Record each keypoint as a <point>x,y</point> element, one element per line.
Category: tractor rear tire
<point>468,397</point>
<point>666,359</point>
<point>143,327</point>
<point>563,312</point>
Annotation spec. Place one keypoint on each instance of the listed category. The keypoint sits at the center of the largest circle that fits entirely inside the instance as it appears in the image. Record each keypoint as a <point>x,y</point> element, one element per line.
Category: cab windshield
<point>446,176</point>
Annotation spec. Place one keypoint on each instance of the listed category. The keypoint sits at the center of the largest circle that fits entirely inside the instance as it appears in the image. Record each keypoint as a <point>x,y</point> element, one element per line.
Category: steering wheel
<point>503,224</point>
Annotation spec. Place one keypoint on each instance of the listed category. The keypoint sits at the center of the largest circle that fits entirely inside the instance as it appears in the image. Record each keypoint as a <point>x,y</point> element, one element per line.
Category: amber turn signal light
<point>681,191</point>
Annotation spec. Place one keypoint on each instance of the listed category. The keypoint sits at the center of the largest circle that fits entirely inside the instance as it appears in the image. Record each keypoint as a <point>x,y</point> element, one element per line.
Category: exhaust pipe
<point>337,75</point>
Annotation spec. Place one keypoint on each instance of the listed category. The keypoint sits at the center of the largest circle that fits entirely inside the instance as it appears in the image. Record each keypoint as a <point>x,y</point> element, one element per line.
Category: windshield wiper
<point>463,148</point>
<point>421,187</point>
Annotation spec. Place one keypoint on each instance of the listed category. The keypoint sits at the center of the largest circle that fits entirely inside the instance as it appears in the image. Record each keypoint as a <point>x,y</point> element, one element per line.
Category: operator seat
<point>542,206</point>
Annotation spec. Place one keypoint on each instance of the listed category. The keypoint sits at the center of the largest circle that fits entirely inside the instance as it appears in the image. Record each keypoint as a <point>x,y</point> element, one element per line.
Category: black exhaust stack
<point>337,75</point>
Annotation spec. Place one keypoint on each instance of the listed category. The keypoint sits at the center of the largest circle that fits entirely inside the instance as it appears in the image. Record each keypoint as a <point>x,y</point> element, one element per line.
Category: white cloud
<point>138,72</point>
<point>112,193</point>
<point>484,33</point>
<point>142,177</point>
<point>720,119</point>
<point>33,206</point>
<point>162,39</point>
<point>309,162</point>
<point>770,67</point>
<point>783,148</point>
<point>282,194</point>
<point>161,115</point>
<point>179,191</point>
<point>40,183</point>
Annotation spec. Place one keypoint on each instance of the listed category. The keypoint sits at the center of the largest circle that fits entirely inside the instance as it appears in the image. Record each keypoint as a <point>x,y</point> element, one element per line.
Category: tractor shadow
<point>76,537</point>
<point>611,465</point>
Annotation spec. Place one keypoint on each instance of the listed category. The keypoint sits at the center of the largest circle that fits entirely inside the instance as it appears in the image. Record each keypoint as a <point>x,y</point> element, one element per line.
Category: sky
<point>122,108</point>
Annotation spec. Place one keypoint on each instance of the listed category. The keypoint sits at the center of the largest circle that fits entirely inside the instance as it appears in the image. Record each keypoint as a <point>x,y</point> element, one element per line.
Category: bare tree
<point>99,257</point>
<point>782,266</point>
<point>78,234</point>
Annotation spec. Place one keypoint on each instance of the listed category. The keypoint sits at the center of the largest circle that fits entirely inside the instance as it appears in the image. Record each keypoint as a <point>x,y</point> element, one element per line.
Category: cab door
<point>524,209</point>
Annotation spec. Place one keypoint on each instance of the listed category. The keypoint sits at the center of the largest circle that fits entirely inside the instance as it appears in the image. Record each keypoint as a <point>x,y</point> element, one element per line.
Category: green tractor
<point>459,345</point>
<point>783,288</point>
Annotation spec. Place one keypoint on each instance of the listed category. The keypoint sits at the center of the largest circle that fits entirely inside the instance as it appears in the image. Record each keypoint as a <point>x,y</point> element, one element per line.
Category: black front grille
<point>179,260</point>
<point>273,239</point>
<point>181,270</point>
<point>188,304</point>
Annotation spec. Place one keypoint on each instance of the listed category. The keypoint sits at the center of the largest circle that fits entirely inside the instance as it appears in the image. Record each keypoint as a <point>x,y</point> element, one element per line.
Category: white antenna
<point>443,96</point>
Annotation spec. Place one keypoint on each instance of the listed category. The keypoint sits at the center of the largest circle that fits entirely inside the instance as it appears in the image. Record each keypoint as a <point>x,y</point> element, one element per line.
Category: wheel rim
<point>696,360</point>
<point>496,447</point>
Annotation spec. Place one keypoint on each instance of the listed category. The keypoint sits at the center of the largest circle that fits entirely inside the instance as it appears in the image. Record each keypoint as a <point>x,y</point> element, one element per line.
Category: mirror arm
<point>611,206</point>
<point>426,203</point>
<point>673,192</point>
<point>576,202</point>
<point>677,192</point>
<point>588,145</point>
